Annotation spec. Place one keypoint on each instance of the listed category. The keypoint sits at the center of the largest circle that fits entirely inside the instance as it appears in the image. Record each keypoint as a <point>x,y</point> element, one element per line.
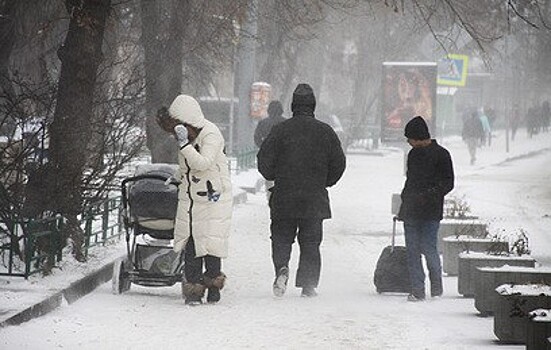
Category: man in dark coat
<point>429,178</point>
<point>472,132</point>
<point>275,116</point>
<point>303,156</point>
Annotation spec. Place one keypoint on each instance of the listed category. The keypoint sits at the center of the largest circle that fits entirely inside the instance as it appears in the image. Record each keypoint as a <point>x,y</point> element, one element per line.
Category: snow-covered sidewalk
<point>348,313</point>
<point>21,300</point>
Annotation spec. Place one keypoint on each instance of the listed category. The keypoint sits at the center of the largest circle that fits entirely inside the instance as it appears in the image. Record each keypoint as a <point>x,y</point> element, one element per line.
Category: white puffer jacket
<point>205,196</point>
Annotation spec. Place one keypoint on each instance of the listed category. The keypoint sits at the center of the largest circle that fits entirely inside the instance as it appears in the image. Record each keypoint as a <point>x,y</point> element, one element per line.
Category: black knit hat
<point>303,99</point>
<point>417,129</point>
<point>275,109</point>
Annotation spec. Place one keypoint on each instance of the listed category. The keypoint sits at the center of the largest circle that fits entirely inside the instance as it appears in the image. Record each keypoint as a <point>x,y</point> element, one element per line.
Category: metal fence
<point>102,222</point>
<point>30,246</point>
<point>245,159</point>
<point>33,246</point>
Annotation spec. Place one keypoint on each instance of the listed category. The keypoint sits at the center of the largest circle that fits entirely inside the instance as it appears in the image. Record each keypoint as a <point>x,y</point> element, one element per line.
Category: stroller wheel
<point>121,280</point>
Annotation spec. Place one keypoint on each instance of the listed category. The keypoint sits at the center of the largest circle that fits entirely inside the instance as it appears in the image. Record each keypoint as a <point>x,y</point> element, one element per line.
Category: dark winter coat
<point>264,127</point>
<point>429,178</point>
<point>303,156</point>
<point>472,128</point>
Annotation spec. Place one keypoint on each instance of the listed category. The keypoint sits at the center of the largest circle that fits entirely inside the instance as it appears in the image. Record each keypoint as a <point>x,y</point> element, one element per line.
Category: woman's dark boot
<point>214,286</point>
<point>193,293</point>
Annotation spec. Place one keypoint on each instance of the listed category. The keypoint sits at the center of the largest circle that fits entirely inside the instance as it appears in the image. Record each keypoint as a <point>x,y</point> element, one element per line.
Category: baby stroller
<point>149,203</point>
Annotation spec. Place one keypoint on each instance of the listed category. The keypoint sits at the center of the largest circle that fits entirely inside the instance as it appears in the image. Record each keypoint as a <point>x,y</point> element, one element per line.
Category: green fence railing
<point>35,245</point>
<point>30,246</point>
<point>102,222</point>
<point>43,244</point>
<point>246,159</point>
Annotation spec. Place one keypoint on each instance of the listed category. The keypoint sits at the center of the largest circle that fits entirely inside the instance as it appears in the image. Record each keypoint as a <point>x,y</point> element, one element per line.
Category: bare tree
<point>70,133</point>
<point>7,39</point>
<point>161,60</point>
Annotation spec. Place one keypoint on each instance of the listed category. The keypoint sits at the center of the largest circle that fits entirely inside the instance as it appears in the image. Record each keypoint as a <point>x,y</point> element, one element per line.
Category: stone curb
<point>72,293</point>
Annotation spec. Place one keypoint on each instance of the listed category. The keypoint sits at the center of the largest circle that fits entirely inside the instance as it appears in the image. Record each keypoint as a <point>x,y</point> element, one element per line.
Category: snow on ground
<point>17,294</point>
<point>348,313</point>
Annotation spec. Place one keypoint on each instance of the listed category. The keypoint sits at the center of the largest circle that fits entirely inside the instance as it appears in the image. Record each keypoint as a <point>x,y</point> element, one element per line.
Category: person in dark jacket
<point>303,156</point>
<point>275,116</point>
<point>429,178</point>
<point>472,132</point>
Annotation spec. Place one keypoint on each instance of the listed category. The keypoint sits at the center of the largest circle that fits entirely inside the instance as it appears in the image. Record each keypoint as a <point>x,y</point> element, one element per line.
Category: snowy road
<point>348,314</point>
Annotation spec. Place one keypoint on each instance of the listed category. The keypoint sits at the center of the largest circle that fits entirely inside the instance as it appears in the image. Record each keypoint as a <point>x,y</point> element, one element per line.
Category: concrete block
<point>469,261</point>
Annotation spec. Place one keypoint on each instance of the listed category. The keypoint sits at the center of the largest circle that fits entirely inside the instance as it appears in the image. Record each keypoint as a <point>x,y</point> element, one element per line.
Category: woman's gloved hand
<point>181,134</point>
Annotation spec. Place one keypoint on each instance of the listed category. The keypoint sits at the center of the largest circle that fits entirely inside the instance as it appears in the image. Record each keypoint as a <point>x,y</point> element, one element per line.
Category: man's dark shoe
<point>436,291</point>
<point>309,292</point>
<point>280,282</point>
<point>213,295</point>
<point>415,298</point>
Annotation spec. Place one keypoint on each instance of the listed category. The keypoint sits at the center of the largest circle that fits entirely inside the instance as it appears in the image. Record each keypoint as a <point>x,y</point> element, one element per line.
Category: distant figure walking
<point>545,115</point>
<point>515,121</point>
<point>275,116</point>
<point>303,156</point>
<point>486,127</point>
<point>472,133</point>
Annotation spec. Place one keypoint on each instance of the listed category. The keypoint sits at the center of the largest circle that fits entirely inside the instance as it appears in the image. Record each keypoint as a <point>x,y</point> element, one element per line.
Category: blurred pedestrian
<point>429,178</point>
<point>275,116</point>
<point>471,134</point>
<point>303,156</point>
<point>545,115</point>
<point>486,126</point>
<point>533,121</point>
<point>515,121</point>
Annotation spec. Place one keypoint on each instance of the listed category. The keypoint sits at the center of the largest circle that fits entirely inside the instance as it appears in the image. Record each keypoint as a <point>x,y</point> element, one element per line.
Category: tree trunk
<point>274,41</point>
<point>290,71</point>
<point>163,71</point>
<point>244,77</point>
<point>70,131</point>
<point>175,46</point>
<point>7,40</point>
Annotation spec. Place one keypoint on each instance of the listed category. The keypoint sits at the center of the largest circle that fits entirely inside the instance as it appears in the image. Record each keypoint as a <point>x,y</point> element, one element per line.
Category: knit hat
<point>187,110</point>
<point>417,129</point>
<point>303,99</point>
<point>275,109</point>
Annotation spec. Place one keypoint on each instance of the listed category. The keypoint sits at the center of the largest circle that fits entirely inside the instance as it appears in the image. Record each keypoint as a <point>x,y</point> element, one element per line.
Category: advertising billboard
<point>261,94</point>
<point>409,89</point>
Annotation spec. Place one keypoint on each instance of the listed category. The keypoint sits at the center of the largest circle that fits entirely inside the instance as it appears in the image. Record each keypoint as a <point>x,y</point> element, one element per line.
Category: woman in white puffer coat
<point>204,213</point>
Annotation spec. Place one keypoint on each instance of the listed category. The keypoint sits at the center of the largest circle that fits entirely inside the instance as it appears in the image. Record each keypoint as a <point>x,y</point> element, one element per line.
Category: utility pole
<point>244,77</point>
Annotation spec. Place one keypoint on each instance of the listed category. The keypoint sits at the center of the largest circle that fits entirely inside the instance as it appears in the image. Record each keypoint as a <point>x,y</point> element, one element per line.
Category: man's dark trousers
<point>309,232</point>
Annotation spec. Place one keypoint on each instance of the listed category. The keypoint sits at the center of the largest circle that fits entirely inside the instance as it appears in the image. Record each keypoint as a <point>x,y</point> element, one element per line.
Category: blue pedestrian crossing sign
<point>452,70</point>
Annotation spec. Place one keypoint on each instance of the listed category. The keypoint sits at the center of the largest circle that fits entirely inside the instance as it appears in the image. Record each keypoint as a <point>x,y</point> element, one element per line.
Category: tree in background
<point>187,44</point>
<point>70,131</point>
<point>7,40</point>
